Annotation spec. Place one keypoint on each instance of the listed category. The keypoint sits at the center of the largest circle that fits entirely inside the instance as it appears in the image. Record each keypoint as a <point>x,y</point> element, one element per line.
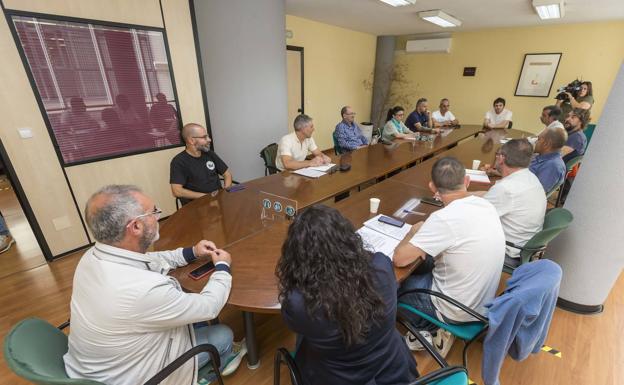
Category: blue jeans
<point>4,230</point>
<point>218,335</point>
<point>422,278</point>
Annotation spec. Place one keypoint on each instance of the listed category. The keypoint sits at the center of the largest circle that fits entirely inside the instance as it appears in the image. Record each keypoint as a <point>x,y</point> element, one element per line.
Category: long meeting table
<point>234,221</point>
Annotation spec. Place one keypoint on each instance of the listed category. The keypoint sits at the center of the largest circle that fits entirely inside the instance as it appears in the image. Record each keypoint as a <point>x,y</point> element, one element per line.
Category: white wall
<point>243,49</point>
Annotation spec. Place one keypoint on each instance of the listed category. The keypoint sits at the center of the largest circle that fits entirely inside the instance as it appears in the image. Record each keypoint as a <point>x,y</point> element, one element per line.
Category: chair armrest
<point>439,374</point>
<point>63,325</point>
<point>436,356</point>
<point>283,355</point>
<point>510,244</point>
<point>215,360</point>
<point>450,300</point>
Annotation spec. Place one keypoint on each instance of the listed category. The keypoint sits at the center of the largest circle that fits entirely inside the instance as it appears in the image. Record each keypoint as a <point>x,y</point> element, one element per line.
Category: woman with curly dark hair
<point>341,301</point>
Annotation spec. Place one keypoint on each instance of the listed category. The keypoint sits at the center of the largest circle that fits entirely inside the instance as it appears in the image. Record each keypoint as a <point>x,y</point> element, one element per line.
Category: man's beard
<point>568,126</point>
<point>149,236</point>
<point>204,148</point>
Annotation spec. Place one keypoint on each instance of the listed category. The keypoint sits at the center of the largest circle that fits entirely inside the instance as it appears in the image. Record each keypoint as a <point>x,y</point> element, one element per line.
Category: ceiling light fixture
<point>549,9</point>
<point>399,3</point>
<point>440,18</point>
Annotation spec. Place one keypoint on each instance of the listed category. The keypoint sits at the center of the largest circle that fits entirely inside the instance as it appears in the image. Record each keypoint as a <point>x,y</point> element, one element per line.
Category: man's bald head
<point>110,209</point>
<point>190,130</point>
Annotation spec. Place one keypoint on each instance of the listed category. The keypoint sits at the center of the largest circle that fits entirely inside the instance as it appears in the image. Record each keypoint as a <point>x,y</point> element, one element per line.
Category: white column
<point>243,49</point>
<point>591,251</point>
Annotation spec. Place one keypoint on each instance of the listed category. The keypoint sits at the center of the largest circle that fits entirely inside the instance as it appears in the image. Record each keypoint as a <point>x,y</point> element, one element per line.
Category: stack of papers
<point>314,172</point>
<point>382,237</point>
<point>478,176</point>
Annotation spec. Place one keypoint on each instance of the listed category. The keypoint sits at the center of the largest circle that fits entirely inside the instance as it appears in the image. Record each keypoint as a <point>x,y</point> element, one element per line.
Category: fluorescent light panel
<point>440,18</point>
<point>398,3</point>
<point>548,9</point>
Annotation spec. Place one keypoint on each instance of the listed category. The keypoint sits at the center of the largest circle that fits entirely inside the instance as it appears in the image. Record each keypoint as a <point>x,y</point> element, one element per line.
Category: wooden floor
<point>25,253</point>
<point>591,346</point>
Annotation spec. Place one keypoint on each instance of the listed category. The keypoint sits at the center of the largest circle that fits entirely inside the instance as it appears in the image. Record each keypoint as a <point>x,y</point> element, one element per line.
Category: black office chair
<point>510,124</point>
<point>269,155</point>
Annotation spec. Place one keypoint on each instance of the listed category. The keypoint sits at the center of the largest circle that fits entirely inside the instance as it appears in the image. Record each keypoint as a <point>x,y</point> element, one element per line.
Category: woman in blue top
<point>340,299</point>
<point>394,127</point>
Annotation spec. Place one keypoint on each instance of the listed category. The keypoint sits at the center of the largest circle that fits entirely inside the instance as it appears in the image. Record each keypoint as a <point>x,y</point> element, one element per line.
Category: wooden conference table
<point>233,220</point>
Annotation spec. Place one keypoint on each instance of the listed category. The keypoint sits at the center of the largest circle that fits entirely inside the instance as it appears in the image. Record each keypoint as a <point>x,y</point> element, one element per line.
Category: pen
<point>413,212</point>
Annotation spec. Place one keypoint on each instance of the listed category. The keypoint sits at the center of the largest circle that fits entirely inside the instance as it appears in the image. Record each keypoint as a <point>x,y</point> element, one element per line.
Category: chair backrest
<point>34,350</point>
<point>555,221</point>
<point>337,150</point>
<point>589,132</point>
<point>555,187</point>
<point>573,162</point>
<point>269,154</point>
<point>510,124</point>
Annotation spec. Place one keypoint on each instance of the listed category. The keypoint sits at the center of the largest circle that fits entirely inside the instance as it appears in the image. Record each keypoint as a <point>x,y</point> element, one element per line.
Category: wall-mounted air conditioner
<point>428,45</point>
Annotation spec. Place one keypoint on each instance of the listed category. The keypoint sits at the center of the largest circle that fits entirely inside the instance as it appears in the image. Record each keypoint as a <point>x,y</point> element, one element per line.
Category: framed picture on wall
<point>537,74</point>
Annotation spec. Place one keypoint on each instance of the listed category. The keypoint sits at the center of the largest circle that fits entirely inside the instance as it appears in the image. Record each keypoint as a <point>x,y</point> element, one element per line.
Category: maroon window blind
<point>106,90</point>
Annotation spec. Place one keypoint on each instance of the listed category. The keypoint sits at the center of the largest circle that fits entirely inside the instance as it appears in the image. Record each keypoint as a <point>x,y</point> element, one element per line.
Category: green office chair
<point>555,221</point>
<point>589,132</point>
<point>337,149</point>
<point>269,155</point>
<point>34,350</point>
<point>446,375</point>
<point>468,332</point>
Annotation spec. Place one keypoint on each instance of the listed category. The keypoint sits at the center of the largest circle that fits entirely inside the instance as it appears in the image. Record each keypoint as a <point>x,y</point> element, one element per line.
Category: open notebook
<point>316,171</point>
<point>478,176</point>
<point>382,237</point>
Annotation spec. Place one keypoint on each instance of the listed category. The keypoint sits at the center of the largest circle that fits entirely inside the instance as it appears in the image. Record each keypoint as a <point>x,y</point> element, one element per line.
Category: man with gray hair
<point>462,247</point>
<point>195,171</point>
<point>518,197</point>
<point>548,165</point>
<point>293,148</point>
<point>129,319</point>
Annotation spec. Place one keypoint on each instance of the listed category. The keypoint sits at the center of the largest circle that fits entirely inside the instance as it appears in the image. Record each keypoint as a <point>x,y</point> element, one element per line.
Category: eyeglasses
<point>351,114</point>
<point>204,137</point>
<point>499,153</point>
<point>156,212</point>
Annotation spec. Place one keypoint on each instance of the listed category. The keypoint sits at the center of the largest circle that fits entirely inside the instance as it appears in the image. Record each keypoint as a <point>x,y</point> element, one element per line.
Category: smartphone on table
<point>432,201</point>
<point>202,271</point>
<point>391,221</point>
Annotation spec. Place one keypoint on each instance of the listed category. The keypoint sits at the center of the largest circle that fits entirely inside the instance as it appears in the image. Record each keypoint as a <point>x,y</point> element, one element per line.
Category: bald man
<point>195,171</point>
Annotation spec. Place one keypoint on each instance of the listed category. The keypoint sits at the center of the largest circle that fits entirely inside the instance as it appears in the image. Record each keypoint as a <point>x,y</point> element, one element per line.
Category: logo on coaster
<point>210,164</point>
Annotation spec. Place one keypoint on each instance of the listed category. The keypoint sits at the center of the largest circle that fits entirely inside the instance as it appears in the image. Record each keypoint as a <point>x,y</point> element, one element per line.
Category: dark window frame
<point>9,13</point>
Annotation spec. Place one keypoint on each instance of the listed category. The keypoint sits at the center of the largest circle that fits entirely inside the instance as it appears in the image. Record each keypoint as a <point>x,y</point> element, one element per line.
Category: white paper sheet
<point>397,233</point>
<point>377,242</point>
<point>323,168</point>
<point>478,176</point>
<point>310,173</point>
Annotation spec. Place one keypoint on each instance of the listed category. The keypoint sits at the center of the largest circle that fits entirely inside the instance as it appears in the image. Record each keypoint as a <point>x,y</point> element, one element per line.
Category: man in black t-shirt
<point>195,171</point>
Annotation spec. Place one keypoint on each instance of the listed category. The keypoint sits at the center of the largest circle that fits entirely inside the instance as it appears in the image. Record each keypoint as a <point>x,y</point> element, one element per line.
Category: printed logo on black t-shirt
<point>210,164</point>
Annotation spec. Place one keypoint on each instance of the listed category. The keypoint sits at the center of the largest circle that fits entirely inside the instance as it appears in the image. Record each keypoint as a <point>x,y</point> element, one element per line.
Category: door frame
<point>300,49</point>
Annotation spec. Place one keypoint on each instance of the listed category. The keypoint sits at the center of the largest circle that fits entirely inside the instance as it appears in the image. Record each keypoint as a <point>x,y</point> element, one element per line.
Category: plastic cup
<point>374,205</point>
<point>475,164</point>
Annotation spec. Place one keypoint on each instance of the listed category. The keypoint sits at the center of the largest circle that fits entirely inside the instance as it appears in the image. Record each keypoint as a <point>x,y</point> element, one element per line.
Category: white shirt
<point>291,146</point>
<point>129,318</point>
<point>520,201</point>
<point>438,117</point>
<point>496,119</point>
<point>467,243</point>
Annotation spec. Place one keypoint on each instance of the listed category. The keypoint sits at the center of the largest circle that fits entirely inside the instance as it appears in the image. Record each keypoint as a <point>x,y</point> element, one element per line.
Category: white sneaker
<point>443,341</point>
<point>6,241</point>
<point>239,350</point>
<point>413,343</point>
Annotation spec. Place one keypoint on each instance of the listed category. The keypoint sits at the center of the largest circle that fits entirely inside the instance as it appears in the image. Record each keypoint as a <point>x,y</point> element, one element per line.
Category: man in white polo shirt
<point>293,148</point>
<point>462,247</point>
<point>550,117</point>
<point>518,197</point>
<point>498,116</point>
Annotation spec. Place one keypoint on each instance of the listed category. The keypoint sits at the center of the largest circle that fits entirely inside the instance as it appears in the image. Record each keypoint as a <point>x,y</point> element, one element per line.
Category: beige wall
<point>336,63</point>
<point>35,160</point>
<point>592,51</point>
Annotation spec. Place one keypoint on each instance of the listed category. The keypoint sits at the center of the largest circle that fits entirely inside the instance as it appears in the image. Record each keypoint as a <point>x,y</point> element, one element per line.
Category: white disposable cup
<point>374,205</point>
<point>475,164</point>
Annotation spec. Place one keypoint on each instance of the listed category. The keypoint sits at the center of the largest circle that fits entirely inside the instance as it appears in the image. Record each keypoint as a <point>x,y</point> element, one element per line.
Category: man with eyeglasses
<point>347,133</point>
<point>129,319</point>
<point>195,171</point>
<point>518,197</point>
